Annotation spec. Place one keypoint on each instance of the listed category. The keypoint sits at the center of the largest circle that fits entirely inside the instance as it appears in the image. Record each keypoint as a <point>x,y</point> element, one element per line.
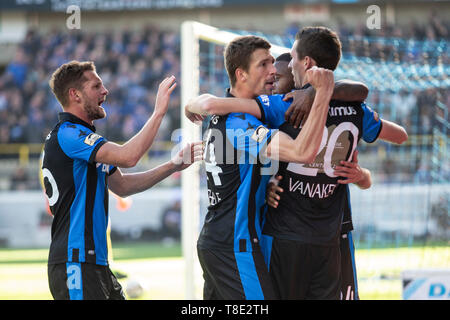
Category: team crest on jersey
<point>260,133</point>
<point>91,139</point>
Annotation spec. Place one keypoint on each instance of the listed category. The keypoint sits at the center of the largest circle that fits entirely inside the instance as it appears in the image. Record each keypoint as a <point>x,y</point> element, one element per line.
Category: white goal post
<point>191,33</point>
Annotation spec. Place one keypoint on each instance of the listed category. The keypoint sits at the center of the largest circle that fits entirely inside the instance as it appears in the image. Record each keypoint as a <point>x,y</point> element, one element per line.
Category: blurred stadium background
<point>401,223</point>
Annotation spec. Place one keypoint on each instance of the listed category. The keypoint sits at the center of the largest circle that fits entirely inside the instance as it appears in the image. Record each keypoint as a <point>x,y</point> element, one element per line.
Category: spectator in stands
<point>18,68</point>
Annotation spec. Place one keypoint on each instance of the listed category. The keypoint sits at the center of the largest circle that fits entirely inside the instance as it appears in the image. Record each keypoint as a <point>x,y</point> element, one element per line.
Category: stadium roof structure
<point>130,5</point>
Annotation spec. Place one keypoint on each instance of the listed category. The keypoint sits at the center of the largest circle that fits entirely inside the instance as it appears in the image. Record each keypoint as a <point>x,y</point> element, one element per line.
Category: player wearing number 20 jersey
<point>301,236</point>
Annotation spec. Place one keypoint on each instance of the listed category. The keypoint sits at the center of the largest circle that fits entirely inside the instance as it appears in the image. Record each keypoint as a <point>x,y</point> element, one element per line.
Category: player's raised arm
<point>304,148</point>
<point>128,154</point>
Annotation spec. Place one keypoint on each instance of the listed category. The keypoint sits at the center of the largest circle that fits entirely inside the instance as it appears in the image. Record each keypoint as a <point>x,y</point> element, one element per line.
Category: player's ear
<point>309,62</point>
<point>74,95</point>
<point>241,75</point>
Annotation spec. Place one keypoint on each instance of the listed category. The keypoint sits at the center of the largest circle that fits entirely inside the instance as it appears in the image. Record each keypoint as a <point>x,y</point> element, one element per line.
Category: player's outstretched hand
<point>272,192</point>
<point>191,153</point>
<point>163,96</point>
<point>300,107</point>
<point>320,79</point>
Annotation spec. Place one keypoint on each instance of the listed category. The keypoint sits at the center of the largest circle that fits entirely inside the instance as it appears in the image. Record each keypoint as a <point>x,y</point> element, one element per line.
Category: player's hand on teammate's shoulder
<point>320,78</point>
<point>191,152</point>
<point>300,107</point>
<point>165,89</point>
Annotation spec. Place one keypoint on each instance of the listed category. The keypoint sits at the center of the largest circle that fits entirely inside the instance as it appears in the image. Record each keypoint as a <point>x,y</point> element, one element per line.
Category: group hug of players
<point>293,240</point>
<point>279,153</point>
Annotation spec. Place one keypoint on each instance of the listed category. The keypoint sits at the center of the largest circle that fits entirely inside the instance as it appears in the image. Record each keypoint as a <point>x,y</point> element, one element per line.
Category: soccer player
<point>117,273</point>
<point>302,237</point>
<point>236,147</point>
<point>284,80</point>
<point>79,166</point>
<point>284,83</point>
<point>353,174</point>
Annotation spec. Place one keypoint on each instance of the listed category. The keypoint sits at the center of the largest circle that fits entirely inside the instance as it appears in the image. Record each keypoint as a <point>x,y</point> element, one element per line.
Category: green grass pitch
<point>160,269</point>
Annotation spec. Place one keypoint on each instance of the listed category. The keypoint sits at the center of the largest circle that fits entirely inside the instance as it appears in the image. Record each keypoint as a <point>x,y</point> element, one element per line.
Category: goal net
<point>402,222</point>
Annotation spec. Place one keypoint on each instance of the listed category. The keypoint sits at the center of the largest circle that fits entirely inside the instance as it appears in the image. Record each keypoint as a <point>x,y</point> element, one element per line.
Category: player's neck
<point>78,112</point>
<point>242,92</point>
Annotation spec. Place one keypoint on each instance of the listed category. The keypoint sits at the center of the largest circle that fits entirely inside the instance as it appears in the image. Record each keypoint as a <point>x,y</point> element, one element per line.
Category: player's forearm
<point>133,183</point>
<point>128,154</point>
<point>201,105</point>
<point>366,181</point>
<point>308,141</point>
<point>346,90</point>
<point>349,90</point>
<point>137,146</point>
<point>208,104</point>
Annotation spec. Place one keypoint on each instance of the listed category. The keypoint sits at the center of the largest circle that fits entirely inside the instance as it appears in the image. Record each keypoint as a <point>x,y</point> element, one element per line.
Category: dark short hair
<point>238,52</point>
<point>69,75</point>
<point>321,44</point>
<point>284,57</point>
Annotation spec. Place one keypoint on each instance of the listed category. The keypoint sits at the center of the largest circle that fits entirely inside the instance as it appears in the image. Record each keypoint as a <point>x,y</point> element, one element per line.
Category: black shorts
<point>349,288</point>
<point>83,281</point>
<point>232,275</point>
<point>301,271</point>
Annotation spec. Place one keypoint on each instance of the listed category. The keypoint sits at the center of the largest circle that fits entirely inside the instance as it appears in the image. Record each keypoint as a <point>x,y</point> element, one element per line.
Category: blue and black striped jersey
<point>312,205</point>
<point>237,177</point>
<point>77,191</point>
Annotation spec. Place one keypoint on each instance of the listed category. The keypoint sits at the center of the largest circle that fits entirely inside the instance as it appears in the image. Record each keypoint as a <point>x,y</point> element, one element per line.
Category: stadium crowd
<point>131,64</point>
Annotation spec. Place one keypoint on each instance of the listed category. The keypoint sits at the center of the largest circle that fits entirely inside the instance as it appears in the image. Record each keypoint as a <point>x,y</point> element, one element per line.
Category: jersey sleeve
<point>79,142</point>
<point>371,124</point>
<point>248,134</point>
<point>272,109</point>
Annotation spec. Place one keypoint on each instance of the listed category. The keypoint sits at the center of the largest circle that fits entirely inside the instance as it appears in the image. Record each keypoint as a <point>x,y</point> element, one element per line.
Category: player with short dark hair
<point>238,55</point>
<point>236,146</point>
<point>78,168</point>
<point>321,43</point>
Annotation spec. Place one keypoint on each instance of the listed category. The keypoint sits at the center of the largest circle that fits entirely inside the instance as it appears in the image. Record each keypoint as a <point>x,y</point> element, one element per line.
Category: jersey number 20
<point>330,144</point>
